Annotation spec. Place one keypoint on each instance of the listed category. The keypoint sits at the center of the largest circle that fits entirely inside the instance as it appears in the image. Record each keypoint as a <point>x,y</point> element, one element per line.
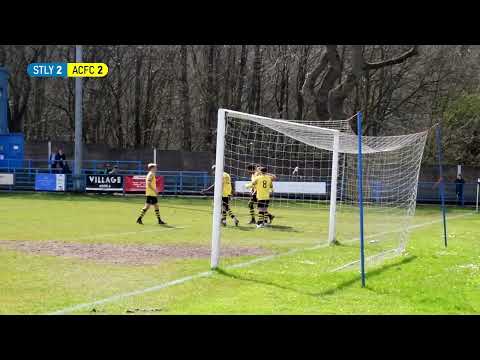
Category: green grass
<point>428,279</point>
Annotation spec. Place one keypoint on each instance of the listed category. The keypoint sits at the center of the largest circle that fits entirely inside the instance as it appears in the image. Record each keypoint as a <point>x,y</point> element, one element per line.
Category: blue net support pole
<point>438,133</point>
<point>360,196</point>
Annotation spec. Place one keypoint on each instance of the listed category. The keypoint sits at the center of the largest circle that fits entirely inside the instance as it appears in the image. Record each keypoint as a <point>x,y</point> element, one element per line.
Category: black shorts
<point>225,201</point>
<point>152,200</point>
<point>254,198</point>
<point>263,204</point>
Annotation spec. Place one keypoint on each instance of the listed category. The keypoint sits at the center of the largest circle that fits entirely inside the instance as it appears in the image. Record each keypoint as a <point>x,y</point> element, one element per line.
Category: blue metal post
<point>438,133</point>
<point>181,182</point>
<point>4,76</point>
<point>360,196</point>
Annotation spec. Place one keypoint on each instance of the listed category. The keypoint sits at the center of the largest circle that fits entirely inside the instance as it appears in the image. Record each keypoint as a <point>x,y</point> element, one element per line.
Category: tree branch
<point>312,76</point>
<point>320,98</point>
<point>398,60</point>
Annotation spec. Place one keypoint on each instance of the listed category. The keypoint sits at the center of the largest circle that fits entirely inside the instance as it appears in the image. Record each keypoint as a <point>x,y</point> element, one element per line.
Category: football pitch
<point>84,254</point>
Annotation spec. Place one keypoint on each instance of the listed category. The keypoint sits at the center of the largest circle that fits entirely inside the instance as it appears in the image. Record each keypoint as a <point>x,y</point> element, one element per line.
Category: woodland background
<point>168,96</point>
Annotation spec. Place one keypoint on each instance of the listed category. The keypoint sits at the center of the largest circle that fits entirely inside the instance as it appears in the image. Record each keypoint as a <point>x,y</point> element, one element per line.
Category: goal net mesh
<point>300,155</point>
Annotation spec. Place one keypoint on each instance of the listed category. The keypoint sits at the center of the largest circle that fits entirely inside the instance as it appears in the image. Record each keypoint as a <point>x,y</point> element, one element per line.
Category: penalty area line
<point>212,272</point>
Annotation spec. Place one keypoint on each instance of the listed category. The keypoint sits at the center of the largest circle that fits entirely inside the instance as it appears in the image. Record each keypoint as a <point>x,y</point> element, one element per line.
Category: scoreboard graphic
<point>64,70</point>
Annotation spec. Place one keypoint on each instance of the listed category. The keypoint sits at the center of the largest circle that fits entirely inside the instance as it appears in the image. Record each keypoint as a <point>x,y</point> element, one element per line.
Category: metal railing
<point>185,182</point>
<point>176,182</point>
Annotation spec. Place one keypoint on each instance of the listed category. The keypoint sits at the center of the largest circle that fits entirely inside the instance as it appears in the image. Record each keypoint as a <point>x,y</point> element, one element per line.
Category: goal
<point>316,166</point>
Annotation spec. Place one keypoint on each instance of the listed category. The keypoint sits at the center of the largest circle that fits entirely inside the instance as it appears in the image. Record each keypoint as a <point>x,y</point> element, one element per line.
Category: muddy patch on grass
<point>124,254</point>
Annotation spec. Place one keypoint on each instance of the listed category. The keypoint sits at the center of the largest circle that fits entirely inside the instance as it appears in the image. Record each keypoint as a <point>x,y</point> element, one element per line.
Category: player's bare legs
<point>142,213</point>
<point>157,212</point>
<point>226,209</point>
<point>251,207</point>
<point>262,213</point>
<point>270,216</point>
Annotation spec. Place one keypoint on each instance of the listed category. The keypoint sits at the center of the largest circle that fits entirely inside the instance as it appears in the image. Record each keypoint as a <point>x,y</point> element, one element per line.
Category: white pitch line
<point>391,232</point>
<point>209,273</point>
<point>133,293</point>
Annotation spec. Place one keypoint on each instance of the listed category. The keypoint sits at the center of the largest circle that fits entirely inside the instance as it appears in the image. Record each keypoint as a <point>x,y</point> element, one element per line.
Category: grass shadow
<point>355,280</point>
<point>170,226</point>
<point>245,228</point>
<point>273,227</point>
<point>282,228</point>
<point>168,206</point>
<point>369,274</point>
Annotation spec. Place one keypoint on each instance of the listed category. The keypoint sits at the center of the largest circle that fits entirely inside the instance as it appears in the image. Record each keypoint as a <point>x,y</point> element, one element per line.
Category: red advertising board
<point>137,183</point>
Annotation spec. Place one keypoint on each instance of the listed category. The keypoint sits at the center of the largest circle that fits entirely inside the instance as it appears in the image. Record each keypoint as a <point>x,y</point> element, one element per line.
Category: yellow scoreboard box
<point>87,69</point>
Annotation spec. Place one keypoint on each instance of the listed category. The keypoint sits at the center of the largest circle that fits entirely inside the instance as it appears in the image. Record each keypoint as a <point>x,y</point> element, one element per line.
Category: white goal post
<point>217,199</point>
<point>219,169</point>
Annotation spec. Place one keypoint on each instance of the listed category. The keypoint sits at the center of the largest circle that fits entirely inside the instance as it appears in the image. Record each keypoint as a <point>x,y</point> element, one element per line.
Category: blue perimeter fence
<point>183,182</point>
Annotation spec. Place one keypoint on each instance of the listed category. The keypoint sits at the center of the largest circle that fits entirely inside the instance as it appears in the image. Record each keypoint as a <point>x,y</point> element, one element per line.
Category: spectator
<point>114,171</point>
<point>60,160</point>
<point>66,168</point>
<point>459,184</point>
<point>107,169</point>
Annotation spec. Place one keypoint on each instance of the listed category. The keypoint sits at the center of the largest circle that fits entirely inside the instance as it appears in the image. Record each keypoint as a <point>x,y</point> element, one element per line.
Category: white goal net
<point>315,189</point>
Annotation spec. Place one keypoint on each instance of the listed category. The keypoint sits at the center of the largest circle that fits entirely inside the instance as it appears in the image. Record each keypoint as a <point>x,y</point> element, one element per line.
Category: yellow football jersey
<point>250,185</point>
<point>153,183</point>
<point>227,185</point>
<point>263,185</point>
<point>255,174</point>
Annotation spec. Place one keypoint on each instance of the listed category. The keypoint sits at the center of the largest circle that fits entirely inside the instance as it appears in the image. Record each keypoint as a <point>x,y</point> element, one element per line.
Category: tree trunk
<point>210,97</point>
<point>228,70</point>
<point>186,112</point>
<point>137,100</point>
<point>254,98</point>
<point>241,78</point>
<point>301,74</point>
<point>118,107</point>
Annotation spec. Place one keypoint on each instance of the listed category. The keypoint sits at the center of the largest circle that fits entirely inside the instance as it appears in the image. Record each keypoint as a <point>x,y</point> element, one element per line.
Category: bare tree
<point>241,78</point>
<point>186,114</point>
<point>329,99</point>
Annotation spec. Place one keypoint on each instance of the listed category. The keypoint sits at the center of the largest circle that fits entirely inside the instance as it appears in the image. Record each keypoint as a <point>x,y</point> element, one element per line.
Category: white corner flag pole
<point>217,199</point>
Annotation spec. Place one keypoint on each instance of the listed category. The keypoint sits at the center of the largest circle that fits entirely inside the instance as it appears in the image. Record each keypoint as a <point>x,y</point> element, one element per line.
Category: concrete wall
<point>167,160</point>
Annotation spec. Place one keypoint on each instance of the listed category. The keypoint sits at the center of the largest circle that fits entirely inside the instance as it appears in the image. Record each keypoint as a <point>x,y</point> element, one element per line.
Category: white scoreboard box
<point>289,187</point>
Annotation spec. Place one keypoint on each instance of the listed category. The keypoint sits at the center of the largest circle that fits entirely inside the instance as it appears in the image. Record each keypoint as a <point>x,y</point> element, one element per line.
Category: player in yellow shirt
<point>151,194</point>
<point>226,193</point>
<point>263,185</point>
<point>254,171</point>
